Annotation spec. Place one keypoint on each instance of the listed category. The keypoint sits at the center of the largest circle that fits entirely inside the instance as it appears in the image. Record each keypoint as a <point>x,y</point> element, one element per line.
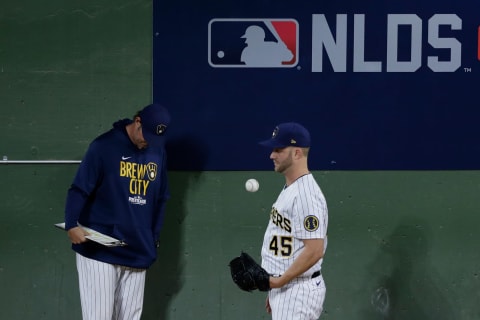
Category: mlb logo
<point>253,43</point>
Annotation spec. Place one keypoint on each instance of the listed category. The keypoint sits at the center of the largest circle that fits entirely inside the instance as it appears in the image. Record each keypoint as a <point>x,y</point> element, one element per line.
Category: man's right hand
<point>77,235</point>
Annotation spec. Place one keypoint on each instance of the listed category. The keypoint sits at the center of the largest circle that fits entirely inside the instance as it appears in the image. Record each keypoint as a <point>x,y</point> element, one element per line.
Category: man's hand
<point>267,305</point>
<point>77,235</point>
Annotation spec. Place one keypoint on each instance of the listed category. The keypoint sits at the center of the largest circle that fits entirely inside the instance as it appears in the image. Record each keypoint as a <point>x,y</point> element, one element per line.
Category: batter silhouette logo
<point>253,43</point>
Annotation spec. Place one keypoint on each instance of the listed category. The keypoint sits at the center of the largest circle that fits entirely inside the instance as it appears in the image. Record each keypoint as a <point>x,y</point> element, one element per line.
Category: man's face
<point>282,159</point>
<point>137,137</point>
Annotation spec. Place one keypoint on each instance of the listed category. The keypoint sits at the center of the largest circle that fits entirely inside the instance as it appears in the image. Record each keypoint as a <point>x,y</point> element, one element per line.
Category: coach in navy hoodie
<point>120,189</point>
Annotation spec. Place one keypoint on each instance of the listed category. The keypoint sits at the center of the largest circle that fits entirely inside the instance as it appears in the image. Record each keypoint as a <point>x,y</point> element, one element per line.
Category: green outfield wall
<point>401,244</point>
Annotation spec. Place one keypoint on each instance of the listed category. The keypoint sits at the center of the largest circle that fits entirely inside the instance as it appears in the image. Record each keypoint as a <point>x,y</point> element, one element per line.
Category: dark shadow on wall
<point>403,284</point>
<point>164,278</point>
<point>187,153</point>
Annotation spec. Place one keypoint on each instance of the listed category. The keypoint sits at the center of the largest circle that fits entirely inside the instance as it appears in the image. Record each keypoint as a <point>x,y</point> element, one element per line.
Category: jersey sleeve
<point>311,214</point>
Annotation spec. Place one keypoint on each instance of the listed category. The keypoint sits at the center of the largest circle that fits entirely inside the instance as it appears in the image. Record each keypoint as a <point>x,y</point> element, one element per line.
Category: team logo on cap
<point>311,223</point>
<point>275,132</point>
<point>160,129</point>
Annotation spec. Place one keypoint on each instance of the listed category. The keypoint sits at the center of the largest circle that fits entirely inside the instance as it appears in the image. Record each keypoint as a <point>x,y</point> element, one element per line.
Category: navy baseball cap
<point>155,120</point>
<point>289,134</point>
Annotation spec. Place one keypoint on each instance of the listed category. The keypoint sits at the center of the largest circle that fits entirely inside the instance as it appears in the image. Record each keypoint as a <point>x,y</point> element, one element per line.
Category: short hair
<point>305,151</point>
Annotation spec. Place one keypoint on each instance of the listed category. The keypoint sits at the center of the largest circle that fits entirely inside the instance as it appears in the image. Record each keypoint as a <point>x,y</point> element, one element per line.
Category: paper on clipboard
<point>96,236</point>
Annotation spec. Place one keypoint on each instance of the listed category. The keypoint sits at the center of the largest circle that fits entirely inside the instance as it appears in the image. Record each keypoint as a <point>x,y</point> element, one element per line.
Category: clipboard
<point>96,236</point>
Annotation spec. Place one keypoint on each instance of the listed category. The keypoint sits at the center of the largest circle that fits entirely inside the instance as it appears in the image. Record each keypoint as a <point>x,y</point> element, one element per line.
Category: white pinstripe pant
<point>301,299</point>
<point>110,292</point>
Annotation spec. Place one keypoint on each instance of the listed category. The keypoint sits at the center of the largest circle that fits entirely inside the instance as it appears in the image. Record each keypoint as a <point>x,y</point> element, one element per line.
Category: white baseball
<point>252,185</point>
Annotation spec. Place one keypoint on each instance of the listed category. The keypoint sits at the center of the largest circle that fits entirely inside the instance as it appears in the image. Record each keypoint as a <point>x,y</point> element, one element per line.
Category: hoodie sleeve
<point>86,180</point>
<point>161,202</point>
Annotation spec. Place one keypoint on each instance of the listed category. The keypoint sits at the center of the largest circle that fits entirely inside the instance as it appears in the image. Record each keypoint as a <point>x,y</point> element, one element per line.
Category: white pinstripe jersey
<point>300,212</point>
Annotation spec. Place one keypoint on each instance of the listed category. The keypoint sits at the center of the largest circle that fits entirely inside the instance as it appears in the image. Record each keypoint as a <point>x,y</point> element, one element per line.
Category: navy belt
<point>314,275</point>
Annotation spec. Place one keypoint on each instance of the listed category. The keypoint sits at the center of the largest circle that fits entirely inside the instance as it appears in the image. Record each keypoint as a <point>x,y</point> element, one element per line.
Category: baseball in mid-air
<point>252,185</point>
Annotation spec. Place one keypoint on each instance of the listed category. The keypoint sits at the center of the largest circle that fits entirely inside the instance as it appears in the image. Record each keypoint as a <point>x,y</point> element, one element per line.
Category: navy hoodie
<point>121,191</point>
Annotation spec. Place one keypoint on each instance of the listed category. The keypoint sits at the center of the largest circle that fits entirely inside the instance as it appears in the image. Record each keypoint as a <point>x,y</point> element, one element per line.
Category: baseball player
<point>296,236</point>
<point>120,189</point>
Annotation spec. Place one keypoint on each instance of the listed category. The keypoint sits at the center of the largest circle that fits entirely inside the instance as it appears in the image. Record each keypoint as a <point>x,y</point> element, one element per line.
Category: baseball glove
<point>249,275</point>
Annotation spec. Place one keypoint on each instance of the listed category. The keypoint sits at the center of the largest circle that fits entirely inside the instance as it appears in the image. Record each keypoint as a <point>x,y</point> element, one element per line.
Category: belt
<point>316,274</point>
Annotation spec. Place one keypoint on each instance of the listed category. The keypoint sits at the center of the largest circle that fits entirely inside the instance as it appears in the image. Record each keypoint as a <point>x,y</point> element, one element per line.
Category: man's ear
<point>298,153</point>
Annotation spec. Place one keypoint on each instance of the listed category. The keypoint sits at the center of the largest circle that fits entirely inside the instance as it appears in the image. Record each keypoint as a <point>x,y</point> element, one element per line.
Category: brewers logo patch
<point>310,223</point>
<point>152,171</point>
